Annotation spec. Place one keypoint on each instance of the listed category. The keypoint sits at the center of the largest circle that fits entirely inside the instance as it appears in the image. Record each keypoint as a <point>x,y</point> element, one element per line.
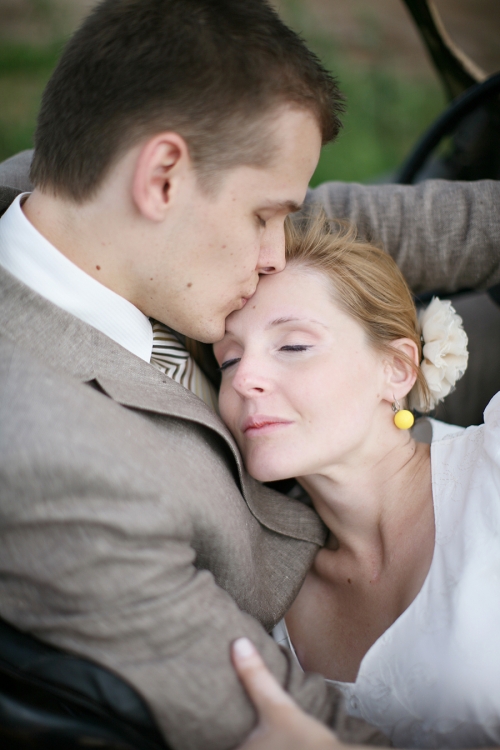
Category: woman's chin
<point>264,473</point>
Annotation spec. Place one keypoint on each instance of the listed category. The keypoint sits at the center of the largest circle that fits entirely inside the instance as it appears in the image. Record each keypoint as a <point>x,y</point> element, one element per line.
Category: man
<point>131,534</point>
<point>174,137</point>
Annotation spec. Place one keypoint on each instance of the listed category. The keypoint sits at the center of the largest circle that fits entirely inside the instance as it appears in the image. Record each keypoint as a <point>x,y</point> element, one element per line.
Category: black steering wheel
<point>446,124</point>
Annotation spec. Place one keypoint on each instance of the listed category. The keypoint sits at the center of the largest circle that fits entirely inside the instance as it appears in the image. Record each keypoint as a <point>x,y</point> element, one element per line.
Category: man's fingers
<point>262,688</point>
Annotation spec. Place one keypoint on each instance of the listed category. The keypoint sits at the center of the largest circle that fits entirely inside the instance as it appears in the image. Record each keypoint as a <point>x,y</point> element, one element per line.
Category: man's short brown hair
<point>210,70</point>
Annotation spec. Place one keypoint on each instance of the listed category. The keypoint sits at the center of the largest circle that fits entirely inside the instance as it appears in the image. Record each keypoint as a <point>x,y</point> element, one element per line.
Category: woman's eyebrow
<point>282,321</point>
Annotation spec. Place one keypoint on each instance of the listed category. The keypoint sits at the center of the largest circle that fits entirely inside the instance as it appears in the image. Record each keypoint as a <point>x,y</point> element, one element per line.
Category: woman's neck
<point>366,504</point>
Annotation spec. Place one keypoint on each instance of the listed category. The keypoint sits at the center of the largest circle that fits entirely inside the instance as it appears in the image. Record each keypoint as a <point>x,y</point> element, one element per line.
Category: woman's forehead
<point>291,298</point>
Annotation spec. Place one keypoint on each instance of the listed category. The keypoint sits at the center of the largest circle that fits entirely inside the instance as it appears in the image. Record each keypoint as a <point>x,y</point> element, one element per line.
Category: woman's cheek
<point>229,407</point>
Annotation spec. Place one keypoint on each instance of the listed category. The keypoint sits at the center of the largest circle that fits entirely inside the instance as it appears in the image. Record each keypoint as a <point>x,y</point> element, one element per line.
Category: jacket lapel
<point>138,385</point>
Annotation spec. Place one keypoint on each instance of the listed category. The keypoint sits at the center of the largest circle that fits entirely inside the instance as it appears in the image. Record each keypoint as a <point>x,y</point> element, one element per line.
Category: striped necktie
<point>171,357</point>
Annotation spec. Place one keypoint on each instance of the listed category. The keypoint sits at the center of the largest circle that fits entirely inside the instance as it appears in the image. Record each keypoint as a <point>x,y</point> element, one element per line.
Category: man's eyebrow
<point>290,207</point>
<point>282,321</point>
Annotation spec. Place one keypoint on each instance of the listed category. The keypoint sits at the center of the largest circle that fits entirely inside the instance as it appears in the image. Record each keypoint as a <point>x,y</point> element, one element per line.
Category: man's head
<point>237,93</point>
<point>213,71</point>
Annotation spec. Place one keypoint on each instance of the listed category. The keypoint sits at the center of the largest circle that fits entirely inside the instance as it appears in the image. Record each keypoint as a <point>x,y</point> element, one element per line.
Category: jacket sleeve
<point>14,172</point>
<point>444,235</point>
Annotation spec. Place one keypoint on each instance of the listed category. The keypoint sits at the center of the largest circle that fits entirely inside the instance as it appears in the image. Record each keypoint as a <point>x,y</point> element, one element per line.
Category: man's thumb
<point>263,689</point>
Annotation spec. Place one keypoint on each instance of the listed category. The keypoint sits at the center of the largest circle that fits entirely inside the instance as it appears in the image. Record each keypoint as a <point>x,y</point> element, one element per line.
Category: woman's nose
<point>249,379</point>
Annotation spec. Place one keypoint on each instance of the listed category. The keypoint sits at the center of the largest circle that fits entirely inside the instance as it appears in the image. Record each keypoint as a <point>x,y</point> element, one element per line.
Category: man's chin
<point>204,334</point>
<point>209,337</point>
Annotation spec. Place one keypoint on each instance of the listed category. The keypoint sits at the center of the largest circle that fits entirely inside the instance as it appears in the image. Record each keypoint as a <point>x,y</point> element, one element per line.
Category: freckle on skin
<point>190,284</point>
<point>151,279</point>
<point>348,580</point>
<point>98,268</point>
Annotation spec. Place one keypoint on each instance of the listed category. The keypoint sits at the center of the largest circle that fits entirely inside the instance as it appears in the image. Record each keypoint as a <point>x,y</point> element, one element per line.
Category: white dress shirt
<point>28,256</point>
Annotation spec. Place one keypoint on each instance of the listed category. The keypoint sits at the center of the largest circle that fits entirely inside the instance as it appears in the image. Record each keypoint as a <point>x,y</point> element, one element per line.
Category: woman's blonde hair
<point>367,284</point>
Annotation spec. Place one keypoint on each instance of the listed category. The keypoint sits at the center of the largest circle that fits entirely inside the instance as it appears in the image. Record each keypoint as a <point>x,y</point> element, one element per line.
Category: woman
<point>401,608</point>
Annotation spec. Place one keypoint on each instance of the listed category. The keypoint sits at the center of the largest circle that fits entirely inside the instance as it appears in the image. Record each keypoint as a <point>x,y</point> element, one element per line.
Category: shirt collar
<point>28,256</point>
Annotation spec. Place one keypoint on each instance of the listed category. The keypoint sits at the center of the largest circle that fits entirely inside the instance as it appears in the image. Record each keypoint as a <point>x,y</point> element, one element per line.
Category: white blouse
<point>432,680</point>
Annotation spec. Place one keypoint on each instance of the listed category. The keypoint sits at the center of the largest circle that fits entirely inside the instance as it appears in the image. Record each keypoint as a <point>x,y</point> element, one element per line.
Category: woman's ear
<point>159,169</point>
<point>400,375</point>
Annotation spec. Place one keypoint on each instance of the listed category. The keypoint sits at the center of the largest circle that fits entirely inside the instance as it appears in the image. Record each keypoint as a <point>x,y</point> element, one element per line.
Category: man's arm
<point>14,172</point>
<point>443,235</point>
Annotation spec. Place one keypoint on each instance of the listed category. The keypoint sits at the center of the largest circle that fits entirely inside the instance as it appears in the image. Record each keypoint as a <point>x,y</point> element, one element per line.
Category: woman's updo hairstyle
<point>366,283</point>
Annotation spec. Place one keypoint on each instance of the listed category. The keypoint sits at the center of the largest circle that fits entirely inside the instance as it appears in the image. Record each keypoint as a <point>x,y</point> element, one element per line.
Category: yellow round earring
<point>403,419</point>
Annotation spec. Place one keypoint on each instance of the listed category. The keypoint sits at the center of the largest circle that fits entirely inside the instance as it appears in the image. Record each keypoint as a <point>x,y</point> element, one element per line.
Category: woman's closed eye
<point>295,347</point>
<point>224,365</point>
<point>285,348</point>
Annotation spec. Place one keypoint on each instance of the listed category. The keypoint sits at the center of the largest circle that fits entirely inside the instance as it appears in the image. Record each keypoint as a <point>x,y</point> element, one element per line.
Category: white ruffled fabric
<point>445,354</point>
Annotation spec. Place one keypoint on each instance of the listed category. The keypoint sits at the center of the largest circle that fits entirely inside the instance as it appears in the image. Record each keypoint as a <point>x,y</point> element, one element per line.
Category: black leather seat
<point>51,700</point>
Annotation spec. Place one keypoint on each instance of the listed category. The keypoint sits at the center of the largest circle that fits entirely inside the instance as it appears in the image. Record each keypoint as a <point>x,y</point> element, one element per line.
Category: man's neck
<point>37,263</point>
<point>85,234</point>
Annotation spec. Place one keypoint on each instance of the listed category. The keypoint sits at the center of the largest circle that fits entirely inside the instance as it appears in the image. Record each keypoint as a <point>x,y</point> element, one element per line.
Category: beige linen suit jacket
<point>130,532</point>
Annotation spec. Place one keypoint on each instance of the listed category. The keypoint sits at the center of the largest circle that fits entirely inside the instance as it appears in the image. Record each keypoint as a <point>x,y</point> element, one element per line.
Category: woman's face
<point>301,387</point>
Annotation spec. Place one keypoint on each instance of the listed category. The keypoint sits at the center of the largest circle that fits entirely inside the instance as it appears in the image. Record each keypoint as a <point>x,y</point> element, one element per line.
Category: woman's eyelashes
<point>285,348</point>
<point>295,347</point>
<point>224,365</point>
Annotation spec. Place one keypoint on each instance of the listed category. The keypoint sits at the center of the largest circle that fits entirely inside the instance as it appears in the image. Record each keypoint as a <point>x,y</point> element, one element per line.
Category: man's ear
<point>400,375</point>
<point>160,166</point>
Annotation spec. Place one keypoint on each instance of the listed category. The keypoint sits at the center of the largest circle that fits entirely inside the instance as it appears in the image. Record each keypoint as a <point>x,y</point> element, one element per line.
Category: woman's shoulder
<point>428,430</point>
<point>458,450</point>
<point>492,429</point>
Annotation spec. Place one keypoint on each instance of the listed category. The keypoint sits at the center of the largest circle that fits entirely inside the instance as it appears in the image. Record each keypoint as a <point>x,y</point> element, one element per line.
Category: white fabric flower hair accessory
<point>444,353</point>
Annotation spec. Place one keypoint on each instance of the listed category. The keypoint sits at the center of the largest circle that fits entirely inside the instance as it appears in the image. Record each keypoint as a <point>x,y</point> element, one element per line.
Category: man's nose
<point>272,254</point>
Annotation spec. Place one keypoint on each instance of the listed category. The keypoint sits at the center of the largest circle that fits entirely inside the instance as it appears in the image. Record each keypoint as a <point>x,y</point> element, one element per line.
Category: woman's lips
<point>260,425</point>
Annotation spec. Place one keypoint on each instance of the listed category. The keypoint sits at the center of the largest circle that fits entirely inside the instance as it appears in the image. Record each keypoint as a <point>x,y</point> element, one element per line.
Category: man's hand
<point>282,724</point>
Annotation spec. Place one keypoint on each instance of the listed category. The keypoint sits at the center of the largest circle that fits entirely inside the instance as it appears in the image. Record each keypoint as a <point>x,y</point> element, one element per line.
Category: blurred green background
<point>371,46</point>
